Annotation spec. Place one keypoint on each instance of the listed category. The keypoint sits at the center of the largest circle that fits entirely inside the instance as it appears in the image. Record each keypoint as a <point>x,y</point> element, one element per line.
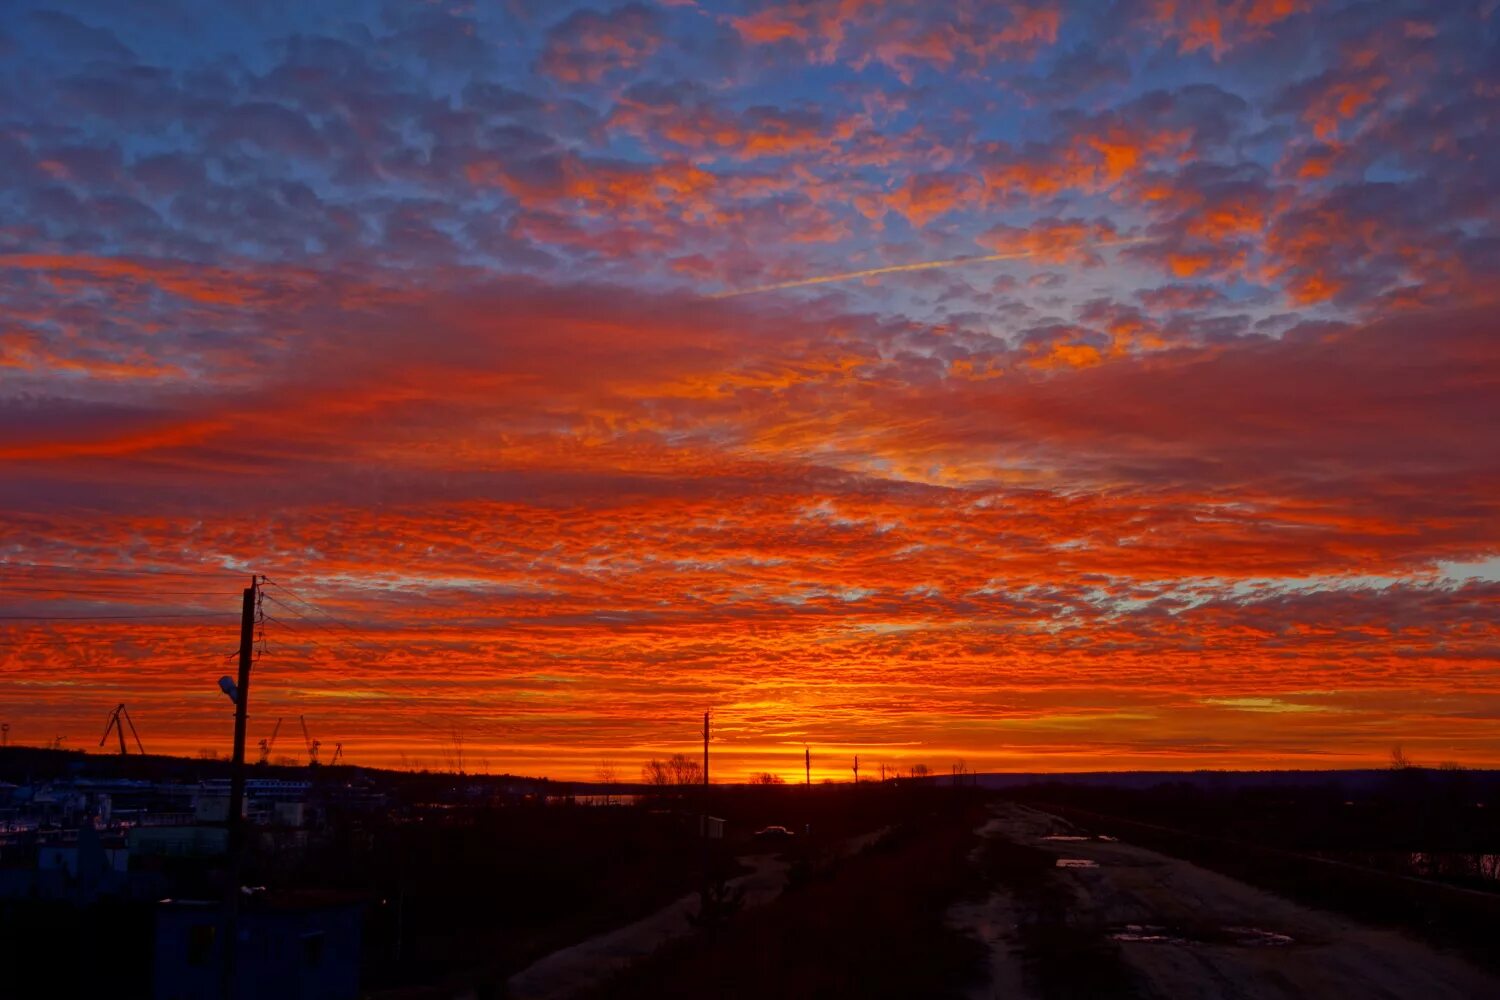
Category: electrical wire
<point>132,574</point>
<point>72,592</point>
<point>94,618</point>
<point>414,699</point>
<point>312,607</point>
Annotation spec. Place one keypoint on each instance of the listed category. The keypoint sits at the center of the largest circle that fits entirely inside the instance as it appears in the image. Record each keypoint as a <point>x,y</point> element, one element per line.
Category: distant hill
<point>23,763</point>
<point>1356,779</point>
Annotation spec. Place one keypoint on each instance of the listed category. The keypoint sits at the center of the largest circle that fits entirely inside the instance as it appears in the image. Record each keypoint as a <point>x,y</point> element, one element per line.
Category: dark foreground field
<point>471,904</point>
<point>872,924</point>
<point>979,896</point>
<point>882,890</point>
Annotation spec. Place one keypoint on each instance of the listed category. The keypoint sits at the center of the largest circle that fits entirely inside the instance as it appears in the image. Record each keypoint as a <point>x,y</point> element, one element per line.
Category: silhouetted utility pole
<point>703,898</point>
<point>856,769</point>
<point>241,701</point>
<point>807,763</point>
<point>248,607</point>
<point>882,774</point>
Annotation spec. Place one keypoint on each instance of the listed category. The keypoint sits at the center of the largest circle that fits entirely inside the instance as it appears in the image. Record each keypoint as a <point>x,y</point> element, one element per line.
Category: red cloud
<point>903,35</point>
<point>587,45</point>
<point>1220,25</point>
<point>925,197</point>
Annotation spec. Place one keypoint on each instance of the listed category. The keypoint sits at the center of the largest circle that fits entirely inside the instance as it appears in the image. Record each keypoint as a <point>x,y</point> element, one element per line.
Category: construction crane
<point>118,720</point>
<point>312,744</point>
<point>338,754</point>
<point>267,744</point>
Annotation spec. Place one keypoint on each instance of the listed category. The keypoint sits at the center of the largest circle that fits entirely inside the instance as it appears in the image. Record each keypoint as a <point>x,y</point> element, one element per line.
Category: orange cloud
<point>1058,241</point>
<point>206,285</point>
<point>1092,160</point>
<point>616,189</point>
<point>588,45</point>
<point>1220,25</point>
<point>925,197</point>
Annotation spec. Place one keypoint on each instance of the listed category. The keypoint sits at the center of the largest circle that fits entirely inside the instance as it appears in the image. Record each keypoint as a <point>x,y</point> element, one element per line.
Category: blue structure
<point>292,946</point>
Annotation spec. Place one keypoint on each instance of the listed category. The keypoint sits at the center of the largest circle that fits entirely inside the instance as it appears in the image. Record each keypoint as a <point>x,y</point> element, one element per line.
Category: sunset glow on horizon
<point>1120,388</point>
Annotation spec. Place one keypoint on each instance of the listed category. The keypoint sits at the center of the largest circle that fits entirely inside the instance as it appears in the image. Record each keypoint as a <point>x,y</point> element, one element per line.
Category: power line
<point>417,703</point>
<point>68,591</point>
<point>92,618</point>
<point>138,574</point>
<point>59,641</point>
<point>366,643</point>
<point>354,634</point>
<point>338,630</point>
<point>298,630</point>
<point>315,642</point>
<point>293,611</point>
<point>415,699</point>
<point>418,696</point>
<point>312,607</point>
<point>357,633</point>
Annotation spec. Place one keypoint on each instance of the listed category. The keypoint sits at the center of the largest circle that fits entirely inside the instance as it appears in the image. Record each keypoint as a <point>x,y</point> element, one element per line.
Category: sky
<point>489,334</point>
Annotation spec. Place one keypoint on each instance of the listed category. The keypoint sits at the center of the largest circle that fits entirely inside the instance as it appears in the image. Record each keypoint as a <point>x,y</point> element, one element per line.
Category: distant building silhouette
<point>304,945</point>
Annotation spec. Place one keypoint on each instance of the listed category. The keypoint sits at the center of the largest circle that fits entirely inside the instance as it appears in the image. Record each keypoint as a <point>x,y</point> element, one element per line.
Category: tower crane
<point>312,744</point>
<point>267,744</point>
<point>118,720</point>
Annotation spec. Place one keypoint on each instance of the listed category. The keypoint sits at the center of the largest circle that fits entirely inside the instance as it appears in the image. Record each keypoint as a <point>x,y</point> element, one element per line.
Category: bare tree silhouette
<point>678,769</point>
<point>453,750</point>
<point>608,776</point>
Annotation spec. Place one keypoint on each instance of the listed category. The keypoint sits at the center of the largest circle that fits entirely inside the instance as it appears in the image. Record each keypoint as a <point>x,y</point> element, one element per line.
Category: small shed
<point>291,946</point>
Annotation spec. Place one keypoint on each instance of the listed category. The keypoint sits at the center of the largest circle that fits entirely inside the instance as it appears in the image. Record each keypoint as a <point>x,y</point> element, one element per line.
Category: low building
<point>178,841</point>
<point>65,857</point>
<point>81,872</point>
<point>303,945</point>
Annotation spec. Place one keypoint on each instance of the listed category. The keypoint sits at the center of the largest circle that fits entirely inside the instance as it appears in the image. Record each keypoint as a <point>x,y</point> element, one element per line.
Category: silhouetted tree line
<point>678,769</point>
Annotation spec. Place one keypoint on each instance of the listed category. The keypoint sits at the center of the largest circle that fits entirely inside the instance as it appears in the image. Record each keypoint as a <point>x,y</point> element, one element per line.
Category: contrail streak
<point>926,265</point>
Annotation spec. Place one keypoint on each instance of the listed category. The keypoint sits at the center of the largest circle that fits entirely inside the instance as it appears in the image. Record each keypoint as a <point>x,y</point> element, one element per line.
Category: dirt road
<point>1185,932</point>
<point>590,963</point>
<point>587,964</point>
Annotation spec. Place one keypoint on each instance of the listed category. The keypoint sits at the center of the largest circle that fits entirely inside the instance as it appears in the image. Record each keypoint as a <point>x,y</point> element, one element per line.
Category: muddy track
<point>1156,926</point>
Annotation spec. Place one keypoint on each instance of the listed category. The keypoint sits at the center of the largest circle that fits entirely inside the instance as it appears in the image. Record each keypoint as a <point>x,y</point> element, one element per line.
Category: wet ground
<point>591,963</point>
<point>1156,926</point>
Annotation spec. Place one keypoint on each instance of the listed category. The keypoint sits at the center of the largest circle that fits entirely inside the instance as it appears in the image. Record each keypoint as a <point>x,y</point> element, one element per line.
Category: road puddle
<point>1147,934</point>
<point>1257,937</point>
<point>1244,937</point>
<point>1064,836</point>
<point>1076,863</point>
